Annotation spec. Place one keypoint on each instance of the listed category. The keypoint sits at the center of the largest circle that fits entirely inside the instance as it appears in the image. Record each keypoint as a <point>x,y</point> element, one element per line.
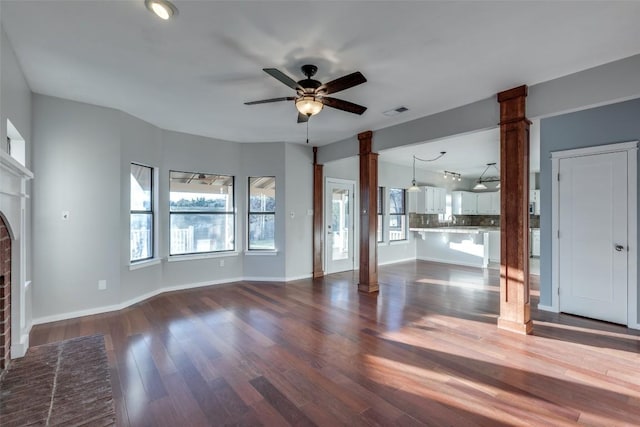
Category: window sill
<point>261,253</point>
<point>399,242</point>
<point>142,264</point>
<point>192,257</point>
<point>383,243</point>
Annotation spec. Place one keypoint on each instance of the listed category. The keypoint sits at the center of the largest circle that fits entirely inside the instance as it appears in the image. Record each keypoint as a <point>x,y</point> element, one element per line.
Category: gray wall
<point>15,105</point>
<point>299,201</point>
<point>76,160</point>
<point>600,85</point>
<point>82,156</point>
<point>603,125</point>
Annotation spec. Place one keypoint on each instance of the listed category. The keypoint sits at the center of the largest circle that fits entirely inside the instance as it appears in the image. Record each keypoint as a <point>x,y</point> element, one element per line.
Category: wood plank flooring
<point>425,351</point>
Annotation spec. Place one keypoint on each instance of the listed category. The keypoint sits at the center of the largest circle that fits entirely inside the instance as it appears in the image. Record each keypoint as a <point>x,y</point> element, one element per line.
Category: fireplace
<point>15,289</point>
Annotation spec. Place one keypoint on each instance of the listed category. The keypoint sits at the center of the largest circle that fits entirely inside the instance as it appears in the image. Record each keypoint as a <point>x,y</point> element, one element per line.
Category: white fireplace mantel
<point>13,208</point>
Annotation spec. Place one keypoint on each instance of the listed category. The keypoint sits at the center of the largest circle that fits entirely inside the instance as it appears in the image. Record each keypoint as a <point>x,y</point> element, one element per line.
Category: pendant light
<point>414,186</point>
<point>480,185</point>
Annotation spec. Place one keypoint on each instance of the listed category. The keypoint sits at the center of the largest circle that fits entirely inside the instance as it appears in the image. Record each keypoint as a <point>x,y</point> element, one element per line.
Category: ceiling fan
<point>311,95</point>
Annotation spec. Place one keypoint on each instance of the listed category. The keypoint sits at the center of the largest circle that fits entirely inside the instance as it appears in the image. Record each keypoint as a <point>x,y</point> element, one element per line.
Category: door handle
<point>619,248</point>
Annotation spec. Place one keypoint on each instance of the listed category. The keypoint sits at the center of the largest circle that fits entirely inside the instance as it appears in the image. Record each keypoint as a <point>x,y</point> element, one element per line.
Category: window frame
<point>250,212</point>
<point>151,211</point>
<point>402,214</point>
<point>232,213</point>
<point>381,203</point>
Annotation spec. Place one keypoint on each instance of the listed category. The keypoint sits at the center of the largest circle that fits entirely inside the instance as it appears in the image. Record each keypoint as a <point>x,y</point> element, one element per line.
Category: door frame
<point>354,210</point>
<point>632,222</point>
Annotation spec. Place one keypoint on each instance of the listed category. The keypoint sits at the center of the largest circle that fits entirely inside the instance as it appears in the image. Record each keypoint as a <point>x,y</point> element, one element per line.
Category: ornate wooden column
<point>368,215</point>
<point>515,309</point>
<point>318,241</point>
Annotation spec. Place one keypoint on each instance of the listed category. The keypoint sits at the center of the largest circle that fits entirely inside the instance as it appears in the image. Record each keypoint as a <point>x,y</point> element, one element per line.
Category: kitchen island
<point>462,245</point>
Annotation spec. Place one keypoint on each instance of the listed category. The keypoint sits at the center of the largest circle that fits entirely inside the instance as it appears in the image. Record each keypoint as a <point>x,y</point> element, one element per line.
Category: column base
<point>368,288</point>
<point>317,274</point>
<point>517,327</point>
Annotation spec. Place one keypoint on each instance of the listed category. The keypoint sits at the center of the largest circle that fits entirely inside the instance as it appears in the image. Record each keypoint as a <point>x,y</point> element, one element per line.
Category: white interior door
<point>593,234</point>
<point>339,226</point>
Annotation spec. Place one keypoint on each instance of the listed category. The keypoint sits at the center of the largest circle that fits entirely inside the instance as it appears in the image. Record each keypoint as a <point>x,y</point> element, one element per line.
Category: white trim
<point>555,221</point>
<point>355,213</point>
<point>446,261</point>
<point>191,257</point>
<point>144,297</point>
<point>632,222</point>
<point>256,252</point>
<point>599,149</point>
<point>397,261</point>
<point>13,166</point>
<point>132,301</point>
<point>301,277</point>
<point>20,349</point>
<point>146,263</point>
<point>276,279</point>
<point>543,307</point>
<point>399,242</point>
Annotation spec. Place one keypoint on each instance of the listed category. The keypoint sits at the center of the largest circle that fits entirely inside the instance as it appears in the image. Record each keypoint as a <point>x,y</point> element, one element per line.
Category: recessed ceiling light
<point>164,9</point>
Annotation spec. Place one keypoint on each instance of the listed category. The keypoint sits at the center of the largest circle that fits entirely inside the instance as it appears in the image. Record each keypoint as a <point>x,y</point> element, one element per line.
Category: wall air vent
<point>395,111</point>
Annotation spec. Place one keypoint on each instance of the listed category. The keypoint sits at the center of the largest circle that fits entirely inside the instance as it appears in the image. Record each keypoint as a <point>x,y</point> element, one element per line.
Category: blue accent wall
<point>596,126</point>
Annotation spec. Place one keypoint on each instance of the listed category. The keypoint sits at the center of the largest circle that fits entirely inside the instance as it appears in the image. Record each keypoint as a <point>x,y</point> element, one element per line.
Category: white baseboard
<point>130,302</point>
<point>547,308</point>
<point>445,261</point>
<point>395,261</point>
<point>144,297</point>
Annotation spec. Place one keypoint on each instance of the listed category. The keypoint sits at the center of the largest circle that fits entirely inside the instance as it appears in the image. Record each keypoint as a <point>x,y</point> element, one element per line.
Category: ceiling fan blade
<point>279,75</point>
<point>345,82</point>
<point>264,101</point>
<point>302,118</point>
<point>343,105</point>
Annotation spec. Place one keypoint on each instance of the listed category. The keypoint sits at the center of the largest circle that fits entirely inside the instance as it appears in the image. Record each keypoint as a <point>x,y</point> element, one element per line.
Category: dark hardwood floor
<point>425,351</point>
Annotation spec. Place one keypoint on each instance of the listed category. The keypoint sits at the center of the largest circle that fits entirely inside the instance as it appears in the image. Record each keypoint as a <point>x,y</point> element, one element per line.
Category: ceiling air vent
<point>395,111</point>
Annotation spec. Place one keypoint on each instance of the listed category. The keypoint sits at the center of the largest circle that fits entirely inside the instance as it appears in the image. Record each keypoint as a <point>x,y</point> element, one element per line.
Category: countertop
<point>465,229</point>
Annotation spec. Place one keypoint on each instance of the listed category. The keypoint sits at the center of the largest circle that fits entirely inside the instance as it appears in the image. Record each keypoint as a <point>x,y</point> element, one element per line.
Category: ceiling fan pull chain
<point>307,132</point>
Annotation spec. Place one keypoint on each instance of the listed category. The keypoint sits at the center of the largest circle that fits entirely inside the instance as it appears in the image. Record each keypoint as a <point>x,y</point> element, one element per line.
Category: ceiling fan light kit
<point>311,95</point>
<point>308,105</point>
<point>163,9</point>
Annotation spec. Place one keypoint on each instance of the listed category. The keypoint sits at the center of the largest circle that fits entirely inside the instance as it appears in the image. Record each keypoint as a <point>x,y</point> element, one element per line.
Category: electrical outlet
<point>102,285</point>
<point>221,263</point>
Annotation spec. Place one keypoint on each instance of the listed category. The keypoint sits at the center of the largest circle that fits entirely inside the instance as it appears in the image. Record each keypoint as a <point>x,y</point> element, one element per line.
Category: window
<point>262,213</point>
<point>380,214</point>
<point>141,218</point>
<point>397,214</point>
<point>201,212</point>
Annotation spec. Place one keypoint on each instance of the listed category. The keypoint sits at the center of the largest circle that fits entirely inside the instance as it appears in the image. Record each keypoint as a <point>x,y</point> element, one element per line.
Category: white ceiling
<point>467,154</point>
<point>194,73</point>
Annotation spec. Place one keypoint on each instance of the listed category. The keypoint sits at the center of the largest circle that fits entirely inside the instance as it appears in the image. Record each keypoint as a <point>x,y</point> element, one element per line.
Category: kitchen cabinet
<point>535,242</point>
<point>432,200</point>
<point>489,203</point>
<point>464,203</point>
<point>495,203</point>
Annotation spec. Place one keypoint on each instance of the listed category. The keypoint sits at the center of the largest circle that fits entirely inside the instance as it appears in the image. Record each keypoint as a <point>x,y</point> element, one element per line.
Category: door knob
<point>619,248</point>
